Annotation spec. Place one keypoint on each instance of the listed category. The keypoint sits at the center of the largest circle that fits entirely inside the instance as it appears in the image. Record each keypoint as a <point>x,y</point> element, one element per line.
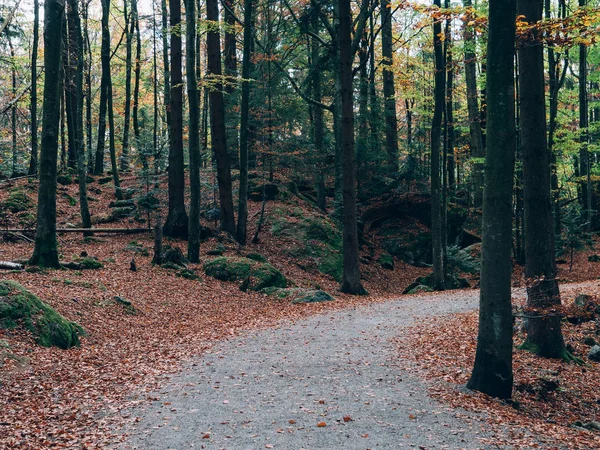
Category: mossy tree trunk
<point>45,253</point>
<point>544,334</point>
<point>492,371</point>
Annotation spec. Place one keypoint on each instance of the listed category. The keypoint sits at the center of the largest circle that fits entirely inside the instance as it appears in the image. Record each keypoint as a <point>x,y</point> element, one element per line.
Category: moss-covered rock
<point>217,251</point>
<point>86,263</point>
<point>17,201</point>
<point>299,295</point>
<point>138,248</point>
<point>254,275</point>
<point>256,257</point>
<point>64,179</point>
<point>332,265</point>
<point>19,307</point>
<point>188,274</point>
<point>174,255</point>
<point>386,261</point>
<point>425,284</point>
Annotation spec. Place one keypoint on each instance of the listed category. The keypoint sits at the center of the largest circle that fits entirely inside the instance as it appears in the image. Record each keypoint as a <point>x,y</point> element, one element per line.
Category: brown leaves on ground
<point>549,396</point>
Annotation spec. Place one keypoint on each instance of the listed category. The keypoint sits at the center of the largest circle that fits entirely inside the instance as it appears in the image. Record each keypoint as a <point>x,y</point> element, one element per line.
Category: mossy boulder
<point>85,263</point>
<point>217,251</point>
<point>425,284</point>
<point>19,307</point>
<point>386,261</point>
<point>253,275</point>
<point>256,257</point>
<point>299,295</point>
<point>138,248</point>
<point>64,179</point>
<point>174,255</point>
<point>17,201</point>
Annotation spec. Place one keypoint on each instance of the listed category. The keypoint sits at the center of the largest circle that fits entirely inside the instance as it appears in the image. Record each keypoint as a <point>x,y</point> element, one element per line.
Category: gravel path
<point>272,388</point>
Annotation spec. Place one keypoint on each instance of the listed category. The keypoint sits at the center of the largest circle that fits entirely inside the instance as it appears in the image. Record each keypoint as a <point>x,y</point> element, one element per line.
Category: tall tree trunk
<point>217,121</point>
<point>389,92</point>
<point>492,371</point>
<point>74,92</point>
<point>33,162</point>
<point>45,253</point>
<point>13,110</point>
<point>439,282</point>
<point>374,106</point>
<point>105,59</point>
<point>194,132</point>
<point>88,89</point>
<point>166,68</point>
<point>584,156</point>
<point>318,123</point>
<point>230,66</point>
<point>129,30</point>
<point>177,221</point>
<point>476,141</point>
<point>136,87</point>
<point>111,141</point>
<point>544,336</point>
<point>351,277</point>
<point>244,116</point>
<point>450,159</point>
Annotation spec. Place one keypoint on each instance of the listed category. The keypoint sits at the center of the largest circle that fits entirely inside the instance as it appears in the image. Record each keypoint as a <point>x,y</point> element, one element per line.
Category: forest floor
<point>81,397</point>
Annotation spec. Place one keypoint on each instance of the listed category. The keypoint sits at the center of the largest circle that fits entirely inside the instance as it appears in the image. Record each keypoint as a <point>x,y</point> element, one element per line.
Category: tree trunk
<point>351,277</point>
<point>33,162</point>
<point>88,91</point>
<point>318,123</point>
<point>492,372</point>
<point>45,253</point>
<point>105,58</point>
<point>194,132</point>
<point>389,92</point>
<point>217,121</point>
<point>230,99</point>
<point>544,336</point>
<point>450,159</point>
<point>111,141</point>
<point>584,156</point>
<point>129,30</point>
<point>242,224</point>
<point>13,112</point>
<point>439,282</point>
<point>136,87</point>
<point>74,93</point>
<point>166,68</point>
<point>476,141</point>
<point>176,224</point>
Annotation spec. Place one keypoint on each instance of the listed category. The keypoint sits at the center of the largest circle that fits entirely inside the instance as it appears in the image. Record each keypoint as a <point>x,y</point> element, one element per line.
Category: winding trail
<point>271,388</point>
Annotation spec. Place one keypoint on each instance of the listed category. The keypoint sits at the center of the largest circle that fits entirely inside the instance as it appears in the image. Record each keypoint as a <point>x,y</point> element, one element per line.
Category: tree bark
<point>177,221</point>
<point>105,58</point>
<point>584,156</point>
<point>194,132</point>
<point>242,224</point>
<point>439,283</point>
<point>217,121</point>
<point>33,162</point>
<point>492,371</point>
<point>389,92</point>
<point>129,30</point>
<point>544,336</point>
<point>351,277</point>
<point>45,253</point>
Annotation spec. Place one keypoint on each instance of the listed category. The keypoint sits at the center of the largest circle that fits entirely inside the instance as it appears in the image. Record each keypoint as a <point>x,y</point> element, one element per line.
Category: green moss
<point>188,274</point>
<point>253,274</point>
<point>138,248</point>
<point>256,257</point>
<point>420,288</point>
<point>72,200</point>
<point>299,295</point>
<point>386,261</point>
<point>171,266</point>
<point>19,307</point>
<point>17,201</point>
<point>89,263</point>
<point>217,251</point>
<point>64,179</point>
<point>332,265</point>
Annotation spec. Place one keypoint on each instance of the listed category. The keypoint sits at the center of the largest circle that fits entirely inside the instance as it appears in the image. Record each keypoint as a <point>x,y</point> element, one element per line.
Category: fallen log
<point>9,265</point>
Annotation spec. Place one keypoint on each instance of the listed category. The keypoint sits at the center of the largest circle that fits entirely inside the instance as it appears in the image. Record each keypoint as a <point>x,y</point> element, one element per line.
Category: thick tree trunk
<point>230,99</point>
<point>389,92</point>
<point>492,372</point>
<point>194,132</point>
<point>217,122</point>
<point>544,335</point>
<point>242,224</point>
<point>351,277</point>
<point>476,141</point>
<point>33,162</point>
<point>177,221</point>
<point>45,253</point>
<point>436,130</point>
<point>166,68</point>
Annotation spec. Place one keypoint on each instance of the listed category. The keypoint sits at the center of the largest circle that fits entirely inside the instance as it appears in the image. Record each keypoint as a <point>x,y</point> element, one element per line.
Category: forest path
<point>271,389</point>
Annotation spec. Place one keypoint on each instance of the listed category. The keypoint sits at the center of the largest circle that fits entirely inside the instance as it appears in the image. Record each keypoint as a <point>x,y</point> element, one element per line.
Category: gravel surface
<point>273,388</point>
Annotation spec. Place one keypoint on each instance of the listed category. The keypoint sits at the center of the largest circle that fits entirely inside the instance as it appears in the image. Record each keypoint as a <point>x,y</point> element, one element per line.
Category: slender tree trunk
<point>136,87</point>
<point>544,336</point>
<point>492,371</point>
<point>177,221</point>
<point>111,142</point>
<point>74,75</point>
<point>351,277</point>
<point>194,132</point>
<point>374,106</point>
<point>230,66</point>
<point>45,253</point>
<point>242,224</point>
<point>88,89</point>
<point>33,162</point>
<point>476,141</point>
<point>105,58</point>
<point>217,122</point>
<point>318,123</point>
<point>389,92</point>
<point>436,192</point>
<point>166,68</point>
<point>450,159</point>
<point>584,156</point>
<point>129,30</point>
